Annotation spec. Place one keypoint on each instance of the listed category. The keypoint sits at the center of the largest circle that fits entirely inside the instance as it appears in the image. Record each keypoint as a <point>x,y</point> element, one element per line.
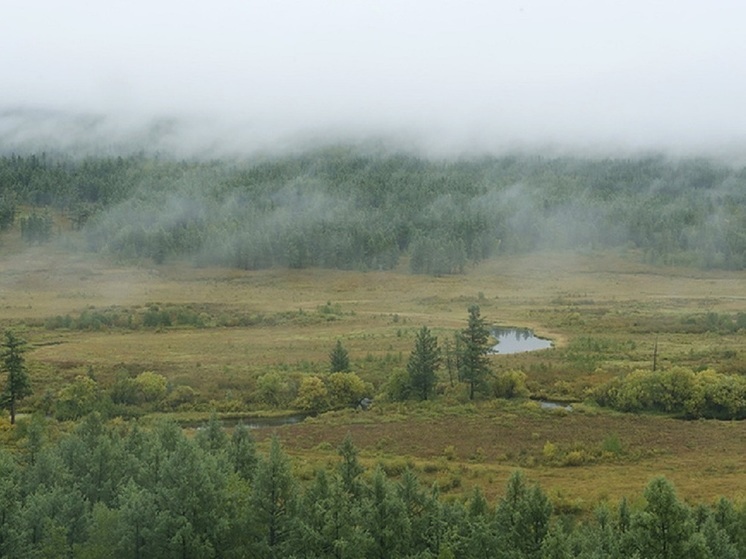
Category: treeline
<point>120,490</point>
<point>348,208</point>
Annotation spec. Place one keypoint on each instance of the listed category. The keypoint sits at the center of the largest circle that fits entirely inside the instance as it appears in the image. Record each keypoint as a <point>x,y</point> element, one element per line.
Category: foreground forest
<point>121,491</point>
<point>360,289</point>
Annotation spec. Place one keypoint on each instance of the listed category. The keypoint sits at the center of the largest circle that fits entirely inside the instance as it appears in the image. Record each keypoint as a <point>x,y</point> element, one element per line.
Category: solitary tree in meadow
<point>339,360</point>
<point>473,364</point>
<point>18,385</point>
<point>423,363</point>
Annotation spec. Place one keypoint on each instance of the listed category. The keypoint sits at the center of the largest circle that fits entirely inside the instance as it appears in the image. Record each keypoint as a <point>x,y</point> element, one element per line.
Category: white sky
<point>583,72</point>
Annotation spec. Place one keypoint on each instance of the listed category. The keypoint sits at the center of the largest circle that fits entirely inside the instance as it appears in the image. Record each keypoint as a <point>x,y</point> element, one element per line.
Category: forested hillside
<point>348,208</point>
<point>124,491</point>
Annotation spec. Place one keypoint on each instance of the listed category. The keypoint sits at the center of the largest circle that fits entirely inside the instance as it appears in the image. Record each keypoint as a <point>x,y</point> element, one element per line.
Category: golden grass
<point>704,459</point>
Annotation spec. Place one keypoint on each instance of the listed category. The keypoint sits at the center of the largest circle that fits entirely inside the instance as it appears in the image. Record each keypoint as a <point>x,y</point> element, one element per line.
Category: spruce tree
<point>350,468</point>
<point>273,502</point>
<point>18,385</point>
<point>423,363</point>
<point>473,364</point>
<point>339,360</point>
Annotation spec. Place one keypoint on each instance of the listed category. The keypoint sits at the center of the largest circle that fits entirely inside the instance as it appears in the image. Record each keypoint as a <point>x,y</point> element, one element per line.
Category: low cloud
<point>441,77</point>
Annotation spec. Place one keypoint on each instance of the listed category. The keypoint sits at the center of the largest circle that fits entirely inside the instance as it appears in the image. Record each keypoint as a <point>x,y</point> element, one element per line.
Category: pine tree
<point>18,385</point>
<point>473,364</point>
<point>423,363</point>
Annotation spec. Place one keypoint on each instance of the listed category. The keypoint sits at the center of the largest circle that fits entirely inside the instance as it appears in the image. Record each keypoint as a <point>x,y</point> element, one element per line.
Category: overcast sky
<point>491,73</point>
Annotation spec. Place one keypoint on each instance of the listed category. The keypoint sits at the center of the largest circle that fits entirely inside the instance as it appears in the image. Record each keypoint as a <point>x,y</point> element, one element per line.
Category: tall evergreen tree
<point>18,385</point>
<point>349,468</point>
<point>473,364</point>
<point>522,517</point>
<point>273,503</point>
<point>339,360</point>
<point>242,452</point>
<point>423,363</point>
<point>663,526</point>
<point>388,523</point>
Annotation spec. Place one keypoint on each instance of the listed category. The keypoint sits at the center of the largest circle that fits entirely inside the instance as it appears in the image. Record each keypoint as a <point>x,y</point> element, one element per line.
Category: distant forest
<point>344,207</point>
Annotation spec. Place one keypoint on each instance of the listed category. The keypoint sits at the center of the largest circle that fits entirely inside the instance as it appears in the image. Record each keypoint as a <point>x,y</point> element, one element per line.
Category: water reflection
<point>517,340</point>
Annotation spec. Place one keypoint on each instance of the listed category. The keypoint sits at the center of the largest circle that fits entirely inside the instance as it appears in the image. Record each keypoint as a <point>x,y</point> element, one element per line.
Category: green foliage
<point>523,516</point>
<point>663,526</point>
<point>423,363</point>
<point>242,452</point>
<point>181,397</point>
<point>473,365</point>
<point>398,386</point>
<point>351,208</point>
<point>510,384</point>
<point>124,491</point>
<point>339,360</point>
<point>346,389</point>
<point>273,502</point>
<point>77,399</point>
<point>17,385</point>
<point>312,394</point>
<point>349,467</point>
<point>212,437</point>
<point>678,390</point>
<point>274,389</point>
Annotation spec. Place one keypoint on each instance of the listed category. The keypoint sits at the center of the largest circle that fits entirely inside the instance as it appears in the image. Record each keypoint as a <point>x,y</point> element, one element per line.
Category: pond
<point>517,340</point>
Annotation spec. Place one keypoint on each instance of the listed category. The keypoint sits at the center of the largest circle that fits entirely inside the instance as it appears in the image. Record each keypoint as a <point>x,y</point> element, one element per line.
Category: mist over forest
<point>358,205</point>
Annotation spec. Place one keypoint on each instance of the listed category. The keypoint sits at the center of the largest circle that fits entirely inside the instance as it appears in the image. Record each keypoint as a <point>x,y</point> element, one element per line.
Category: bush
<point>77,399</point>
<point>510,384</point>
<point>180,397</point>
<point>312,394</point>
<point>347,389</point>
<point>679,390</point>
<point>146,387</point>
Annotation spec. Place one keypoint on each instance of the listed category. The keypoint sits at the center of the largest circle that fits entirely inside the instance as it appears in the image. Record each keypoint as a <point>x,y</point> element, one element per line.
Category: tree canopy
<point>350,208</point>
<point>128,491</point>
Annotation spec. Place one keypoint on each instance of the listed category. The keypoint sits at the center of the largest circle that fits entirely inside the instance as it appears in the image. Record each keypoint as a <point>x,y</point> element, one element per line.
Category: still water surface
<point>517,340</point>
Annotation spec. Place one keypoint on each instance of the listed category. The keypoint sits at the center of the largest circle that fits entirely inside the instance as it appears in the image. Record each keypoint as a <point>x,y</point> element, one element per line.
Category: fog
<point>442,75</point>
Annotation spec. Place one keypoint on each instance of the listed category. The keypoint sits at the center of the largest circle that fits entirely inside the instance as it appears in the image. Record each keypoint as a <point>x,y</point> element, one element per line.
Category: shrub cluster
<point>678,390</point>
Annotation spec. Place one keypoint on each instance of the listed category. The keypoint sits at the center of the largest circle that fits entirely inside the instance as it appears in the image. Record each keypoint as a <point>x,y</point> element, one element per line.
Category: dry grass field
<point>605,312</point>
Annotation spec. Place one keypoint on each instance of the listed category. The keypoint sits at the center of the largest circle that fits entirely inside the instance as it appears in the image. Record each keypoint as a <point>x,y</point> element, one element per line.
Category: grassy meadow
<point>605,312</point>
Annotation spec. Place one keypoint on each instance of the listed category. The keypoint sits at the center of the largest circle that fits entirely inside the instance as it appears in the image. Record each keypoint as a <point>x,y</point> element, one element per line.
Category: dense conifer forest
<point>348,208</point>
<point>126,491</point>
